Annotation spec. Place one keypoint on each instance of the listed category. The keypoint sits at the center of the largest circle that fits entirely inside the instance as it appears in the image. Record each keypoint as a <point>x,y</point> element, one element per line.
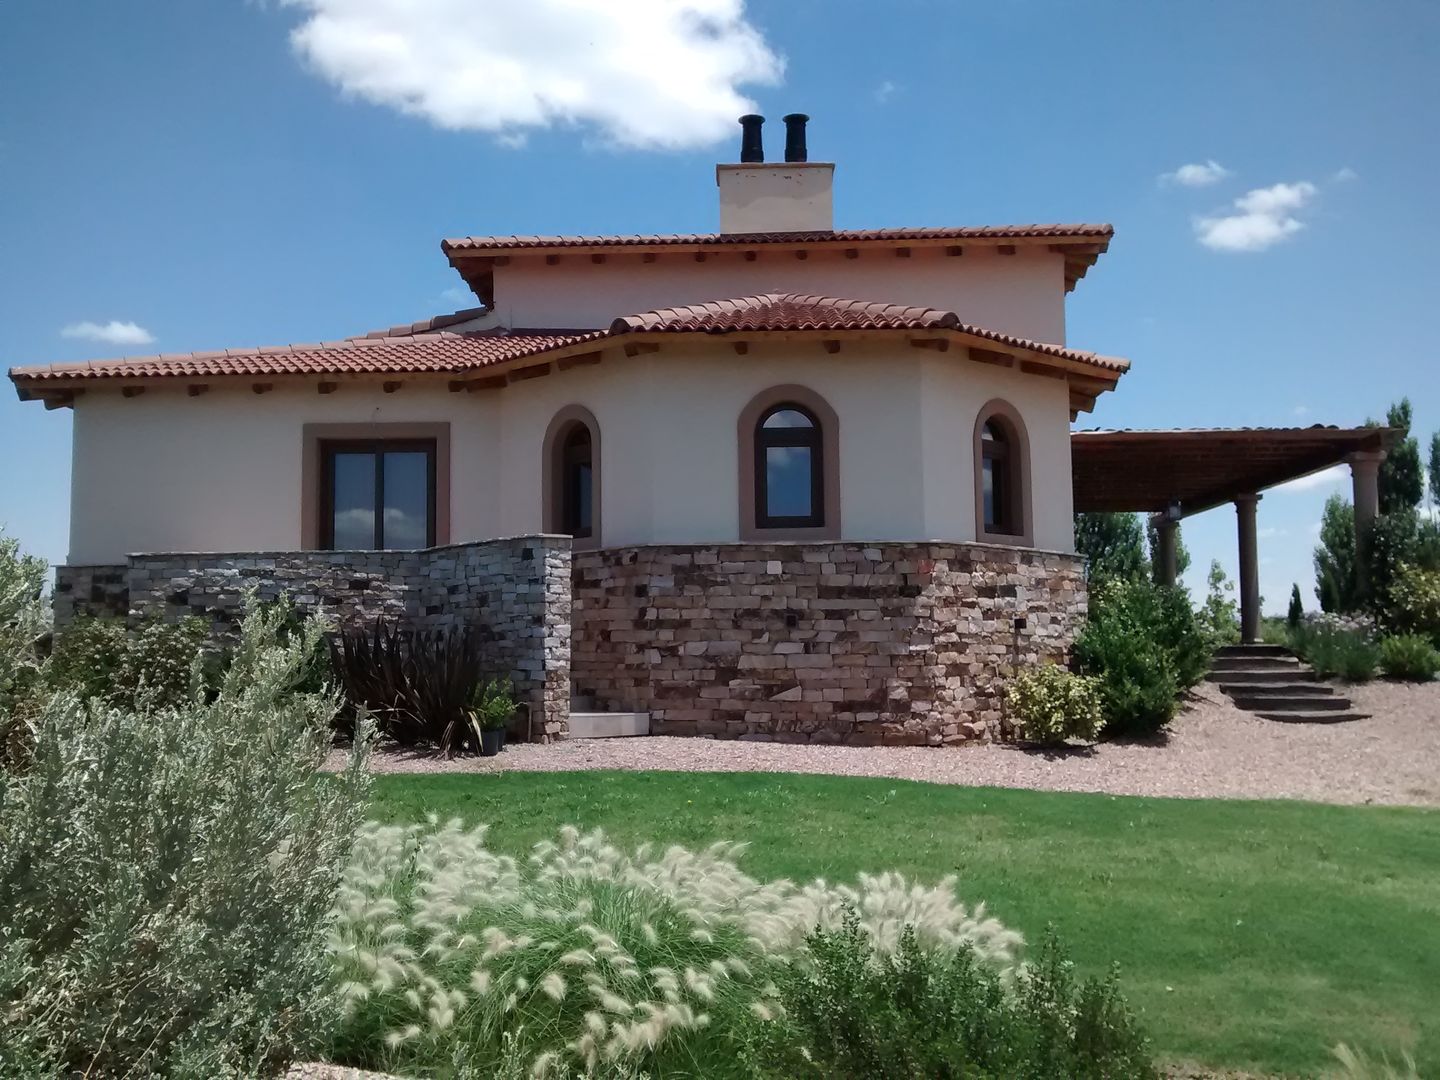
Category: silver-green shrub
<point>23,620</point>
<point>588,957</point>
<point>166,877</point>
<point>1048,705</point>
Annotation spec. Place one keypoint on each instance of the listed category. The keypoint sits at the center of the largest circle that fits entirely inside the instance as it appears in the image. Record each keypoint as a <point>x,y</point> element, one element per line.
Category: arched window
<point>789,466</point>
<point>789,469</point>
<point>572,476</point>
<point>1002,482</point>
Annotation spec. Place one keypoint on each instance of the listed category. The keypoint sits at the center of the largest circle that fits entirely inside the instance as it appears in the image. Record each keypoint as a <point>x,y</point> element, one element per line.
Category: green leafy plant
<point>1145,645</point>
<point>418,685</point>
<point>1218,618</point>
<point>920,1013</point>
<point>157,665</point>
<point>1049,705</point>
<point>590,957</point>
<point>1414,602</point>
<point>1296,615</point>
<point>1409,656</point>
<point>1334,651</point>
<point>494,704</point>
<point>23,623</point>
<point>167,876</point>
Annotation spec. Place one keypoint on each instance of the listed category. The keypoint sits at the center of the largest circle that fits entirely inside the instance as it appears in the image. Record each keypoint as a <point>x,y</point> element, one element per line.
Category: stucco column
<point>1167,561</point>
<point>1249,569</point>
<point>1365,476</point>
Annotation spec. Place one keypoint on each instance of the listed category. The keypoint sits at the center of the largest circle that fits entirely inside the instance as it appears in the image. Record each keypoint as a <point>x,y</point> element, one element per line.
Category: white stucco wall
<point>1021,294</point>
<point>222,471</point>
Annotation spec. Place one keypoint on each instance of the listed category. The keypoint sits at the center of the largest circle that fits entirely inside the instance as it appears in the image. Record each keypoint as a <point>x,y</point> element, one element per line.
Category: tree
<point>1335,583</point>
<point>1152,542</point>
<point>1217,617</point>
<point>1113,546</point>
<point>1435,469</point>
<point>1296,614</point>
<point>1401,485</point>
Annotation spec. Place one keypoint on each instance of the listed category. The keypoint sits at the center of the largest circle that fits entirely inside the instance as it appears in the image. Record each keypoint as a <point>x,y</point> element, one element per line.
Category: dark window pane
<point>581,499</point>
<point>353,484</point>
<point>407,500</point>
<point>788,418</point>
<point>787,481</point>
<point>987,487</point>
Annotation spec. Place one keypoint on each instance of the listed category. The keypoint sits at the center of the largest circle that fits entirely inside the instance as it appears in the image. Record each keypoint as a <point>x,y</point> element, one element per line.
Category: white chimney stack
<point>790,196</point>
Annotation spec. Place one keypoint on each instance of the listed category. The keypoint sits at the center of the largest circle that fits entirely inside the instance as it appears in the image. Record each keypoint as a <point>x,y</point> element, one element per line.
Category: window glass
<point>788,418</point>
<point>987,488</point>
<point>407,500</point>
<point>353,501</point>
<point>788,481</point>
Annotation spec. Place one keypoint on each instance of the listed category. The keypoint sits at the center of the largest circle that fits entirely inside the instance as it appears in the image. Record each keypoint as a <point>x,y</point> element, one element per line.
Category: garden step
<point>608,725</point>
<point>1275,661</point>
<point>1290,687</point>
<point>1314,717</point>
<point>1256,675</point>
<point>1304,704</point>
<point>1253,650</point>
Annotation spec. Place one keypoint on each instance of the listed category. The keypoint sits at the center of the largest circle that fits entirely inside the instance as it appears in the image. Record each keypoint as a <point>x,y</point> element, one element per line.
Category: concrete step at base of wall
<point>608,725</point>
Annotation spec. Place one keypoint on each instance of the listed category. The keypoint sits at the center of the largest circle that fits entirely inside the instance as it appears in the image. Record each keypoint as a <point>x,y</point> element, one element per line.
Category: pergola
<point>1173,474</point>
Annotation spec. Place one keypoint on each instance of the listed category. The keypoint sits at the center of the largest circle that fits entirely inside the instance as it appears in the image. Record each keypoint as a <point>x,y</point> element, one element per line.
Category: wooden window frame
<point>826,468</point>
<point>810,438</point>
<point>553,478</point>
<point>1016,488</point>
<point>378,448</point>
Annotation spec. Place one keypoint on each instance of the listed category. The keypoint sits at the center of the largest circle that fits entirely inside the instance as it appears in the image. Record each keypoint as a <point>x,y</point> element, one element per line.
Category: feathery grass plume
<point>585,954</point>
<point>1355,1065</point>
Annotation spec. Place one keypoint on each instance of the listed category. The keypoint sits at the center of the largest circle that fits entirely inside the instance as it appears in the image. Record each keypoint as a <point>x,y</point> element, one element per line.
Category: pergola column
<point>1249,569</point>
<point>1365,477</point>
<point>1167,561</point>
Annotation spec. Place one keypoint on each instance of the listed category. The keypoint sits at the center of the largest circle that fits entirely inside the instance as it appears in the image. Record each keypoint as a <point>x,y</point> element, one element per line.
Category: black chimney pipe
<point>795,137</point>
<point>751,148</point>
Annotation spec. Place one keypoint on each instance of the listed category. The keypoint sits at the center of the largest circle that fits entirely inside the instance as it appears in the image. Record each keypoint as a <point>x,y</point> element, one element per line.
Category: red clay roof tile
<point>1099,233</point>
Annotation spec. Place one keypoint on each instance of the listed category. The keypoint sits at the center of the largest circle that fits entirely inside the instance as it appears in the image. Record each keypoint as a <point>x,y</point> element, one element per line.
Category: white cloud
<point>1301,410</point>
<point>1344,175</point>
<point>885,91</point>
<point>1330,477</point>
<point>1261,218</point>
<point>1202,174</point>
<point>111,333</point>
<point>644,73</point>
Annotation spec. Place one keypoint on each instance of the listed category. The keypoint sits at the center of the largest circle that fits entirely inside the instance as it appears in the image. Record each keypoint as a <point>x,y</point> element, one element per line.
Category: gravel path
<point>1214,751</point>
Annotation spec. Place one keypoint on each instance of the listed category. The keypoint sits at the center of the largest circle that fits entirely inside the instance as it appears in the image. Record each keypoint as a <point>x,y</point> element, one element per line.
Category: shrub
<point>23,622</point>
<point>1335,651</point>
<point>1413,602</point>
<point>418,685</point>
<point>588,957</point>
<point>149,668</point>
<point>494,704</point>
<point>1049,705</point>
<point>1217,618</point>
<point>1145,645</point>
<point>921,1013</point>
<point>1409,656</point>
<point>166,877</point>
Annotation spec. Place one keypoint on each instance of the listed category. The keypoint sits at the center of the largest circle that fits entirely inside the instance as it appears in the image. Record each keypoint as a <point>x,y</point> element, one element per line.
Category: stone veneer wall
<point>831,642</point>
<point>515,590</point>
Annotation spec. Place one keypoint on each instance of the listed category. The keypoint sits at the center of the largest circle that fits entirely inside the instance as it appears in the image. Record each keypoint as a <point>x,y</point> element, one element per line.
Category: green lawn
<point>1251,935</point>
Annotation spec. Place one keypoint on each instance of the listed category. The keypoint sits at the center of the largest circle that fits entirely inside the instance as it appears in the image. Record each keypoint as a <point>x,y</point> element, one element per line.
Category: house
<point>782,481</point>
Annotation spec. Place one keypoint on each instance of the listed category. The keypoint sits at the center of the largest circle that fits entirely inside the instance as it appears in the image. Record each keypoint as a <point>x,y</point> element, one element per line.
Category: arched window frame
<point>1008,421</point>
<point>554,473</point>
<point>751,460</point>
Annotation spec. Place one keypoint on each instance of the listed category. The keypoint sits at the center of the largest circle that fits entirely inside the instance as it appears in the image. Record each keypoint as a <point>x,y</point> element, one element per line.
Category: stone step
<point>1259,675</point>
<point>1275,662</point>
<point>1253,650</point>
<point>1315,717</point>
<point>1304,703</point>
<point>608,725</point>
<point>1288,687</point>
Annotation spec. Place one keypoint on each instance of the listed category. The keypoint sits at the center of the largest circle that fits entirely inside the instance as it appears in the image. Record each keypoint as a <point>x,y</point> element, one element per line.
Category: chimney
<point>790,196</point>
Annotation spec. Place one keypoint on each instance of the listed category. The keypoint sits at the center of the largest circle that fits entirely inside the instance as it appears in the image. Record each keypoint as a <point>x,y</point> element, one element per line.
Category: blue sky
<point>193,170</point>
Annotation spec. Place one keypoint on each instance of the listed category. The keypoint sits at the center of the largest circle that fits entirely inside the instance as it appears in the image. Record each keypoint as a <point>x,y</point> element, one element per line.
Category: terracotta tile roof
<point>794,312</point>
<point>428,326</point>
<point>1098,233</point>
<point>421,353</point>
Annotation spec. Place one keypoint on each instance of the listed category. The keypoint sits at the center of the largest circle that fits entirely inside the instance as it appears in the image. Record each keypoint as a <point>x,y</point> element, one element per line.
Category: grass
<point>1252,935</point>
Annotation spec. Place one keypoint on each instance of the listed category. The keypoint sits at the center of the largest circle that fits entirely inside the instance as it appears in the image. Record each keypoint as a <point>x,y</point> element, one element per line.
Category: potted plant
<point>492,709</point>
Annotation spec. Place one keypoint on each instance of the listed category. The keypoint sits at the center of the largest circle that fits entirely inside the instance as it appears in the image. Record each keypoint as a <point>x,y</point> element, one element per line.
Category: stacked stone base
<point>895,644</point>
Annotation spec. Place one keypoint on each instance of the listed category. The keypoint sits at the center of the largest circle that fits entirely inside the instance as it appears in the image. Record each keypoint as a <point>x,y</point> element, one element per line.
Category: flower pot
<point>504,734</point>
<point>491,740</point>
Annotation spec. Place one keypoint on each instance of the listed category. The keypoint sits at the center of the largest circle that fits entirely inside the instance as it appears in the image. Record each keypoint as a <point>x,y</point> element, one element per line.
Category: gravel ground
<point>1213,751</point>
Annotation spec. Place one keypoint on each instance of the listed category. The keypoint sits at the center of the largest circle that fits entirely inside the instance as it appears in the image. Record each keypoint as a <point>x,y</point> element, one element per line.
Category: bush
<point>921,1013</point>
<point>1335,651</point>
<point>419,686</point>
<point>1409,656</point>
<point>23,622</point>
<point>1413,602</point>
<point>494,705</point>
<point>588,957</point>
<point>1144,644</point>
<point>166,877</point>
<point>1049,705</point>
<point>1218,619</point>
<point>159,665</point>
